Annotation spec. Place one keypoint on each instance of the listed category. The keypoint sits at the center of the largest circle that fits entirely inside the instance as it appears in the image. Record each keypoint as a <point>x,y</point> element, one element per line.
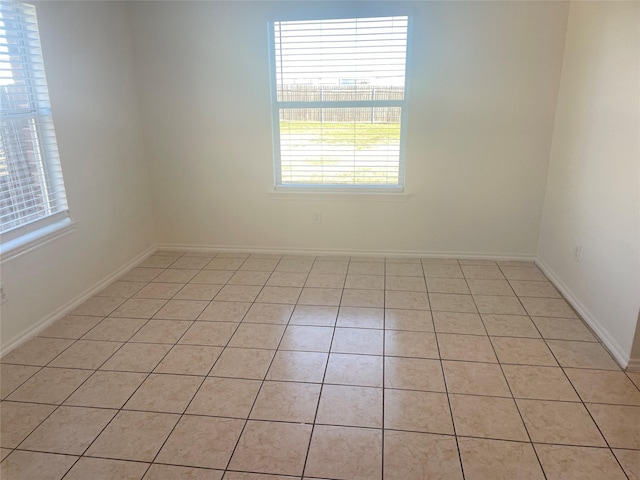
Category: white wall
<point>88,61</point>
<point>483,89</point>
<point>593,190</point>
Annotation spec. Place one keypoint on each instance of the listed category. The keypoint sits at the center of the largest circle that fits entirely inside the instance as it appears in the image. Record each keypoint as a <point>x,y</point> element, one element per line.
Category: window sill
<point>30,241</point>
<point>366,196</point>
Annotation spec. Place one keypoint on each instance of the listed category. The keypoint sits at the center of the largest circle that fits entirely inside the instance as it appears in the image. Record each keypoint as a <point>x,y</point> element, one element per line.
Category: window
<point>338,97</point>
<point>31,187</point>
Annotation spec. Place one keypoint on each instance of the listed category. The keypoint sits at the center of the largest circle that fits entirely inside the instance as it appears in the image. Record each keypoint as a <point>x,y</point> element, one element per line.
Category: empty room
<point>354,240</point>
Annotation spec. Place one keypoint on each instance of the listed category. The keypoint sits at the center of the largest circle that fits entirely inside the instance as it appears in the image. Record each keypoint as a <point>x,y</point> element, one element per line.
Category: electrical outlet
<point>317,218</point>
<point>3,296</point>
<point>577,253</point>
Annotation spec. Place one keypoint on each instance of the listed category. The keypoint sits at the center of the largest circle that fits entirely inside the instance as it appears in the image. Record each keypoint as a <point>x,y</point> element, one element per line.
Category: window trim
<point>319,188</point>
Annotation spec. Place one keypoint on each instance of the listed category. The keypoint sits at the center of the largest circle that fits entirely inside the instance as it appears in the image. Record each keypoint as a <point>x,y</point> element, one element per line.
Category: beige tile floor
<point>268,367</point>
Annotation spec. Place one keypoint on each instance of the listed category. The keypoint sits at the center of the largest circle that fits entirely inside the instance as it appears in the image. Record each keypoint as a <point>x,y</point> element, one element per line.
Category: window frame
<point>55,221</point>
<point>277,105</point>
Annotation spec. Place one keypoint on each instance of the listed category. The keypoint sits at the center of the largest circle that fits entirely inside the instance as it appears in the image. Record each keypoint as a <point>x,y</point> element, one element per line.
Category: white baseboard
<point>608,341</point>
<point>62,311</point>
<point>633,365</point>
<point>312,251</point>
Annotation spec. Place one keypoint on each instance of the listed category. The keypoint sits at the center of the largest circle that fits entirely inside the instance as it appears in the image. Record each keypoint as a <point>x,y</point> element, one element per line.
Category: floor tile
<point>272,447</point>
<point>486,272</point>
<point>19,420</point>
<point>190,262</point>
<point>404,269</point>
<point>547,307</point>
<point>363,370</point>
<point>413,374</point>
<point>566,463</point>
<point>269,313</point>
<point>409,284</point>
<point>298,366</point>
<point>295,265</point>
<point>177,276</point>
<point>417,411</point>
<point>115,329</point>
<point>541,383</point>
<point>510,326</point>
<point>457,322</point>
<point>31,465</point>
<point>560,423</point>
<point>141,274</point>
<point>215,334</point>
<point>350,406</point>
<point>286,402</point>
<point>327,265</point>
<point>50,385</point>
<point>490,287</point>
<point>582,355</point>
<point>158,261</point>
<point>182,309</point>
<point>366,268</point>
<point>134,436</point>
<point>433,270</point>
<point>287,279</point>
<point>69,430</point>
<point>38,351</point>
<point>212,277</point>
<point>164,393</point>
<point>243,363</point>
<point>409,455</point>
<point>407,300</point>
<point>618,424</point>
<point>600,386</point>
<point>172,472</point>
<point>106,389</point>
<point>257,335</point>
<point>361,317</point>
<point>563,329</point>
<point>320,296</point>
<point>70,326</point>
<point>345,453</point>
<point>239,293</point>
<point>201,442</point>
<point>12,376</point>
<point>448,302</point>
<point>255,476</point>
<point>475,379</point>
<point>159,290</point>
<point>286,295</point>
<point>259,264</point>
<point>410,320</point>
<point>86,354</point>
<point>488,417</point>
<point>139,308</point>
<point>447,285</point>
<point>326,280</point>
<point>136,357</point>
<point>98,306</point>
<point>362,298</point>
<point>530,273</point>
<point>358,340</point>
<point>121,289</point>
<point>314,315</point>
<point>224,264</point>
<point>484,459</point>
<point>249,278</point>
<point>630,461</point>
<point>225,312</point>
<point>411,344</point>
<point>525,288</point>
<point>364,282</point>
<point>161,331</point>
<point>104,469</point>
<point>523,351</point>
<point>472,348</point>
<point>497,304</point>
<point>196,291</point>
<point>307,338</point>
<point>189,360</point>
<point>225,397</point>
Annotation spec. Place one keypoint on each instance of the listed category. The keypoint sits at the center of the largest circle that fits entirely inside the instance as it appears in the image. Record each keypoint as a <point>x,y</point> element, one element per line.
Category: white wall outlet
<point>317,218</point>
<point>577,252</point>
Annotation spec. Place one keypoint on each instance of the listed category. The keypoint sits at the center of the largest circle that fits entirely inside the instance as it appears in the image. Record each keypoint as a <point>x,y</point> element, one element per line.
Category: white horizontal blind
<point>339,97</point>
<point>31,187</point>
